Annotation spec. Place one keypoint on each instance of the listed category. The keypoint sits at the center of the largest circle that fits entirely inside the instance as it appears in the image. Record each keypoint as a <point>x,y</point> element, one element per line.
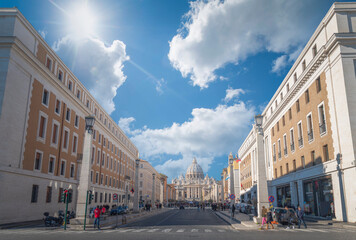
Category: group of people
<point>290,218</point>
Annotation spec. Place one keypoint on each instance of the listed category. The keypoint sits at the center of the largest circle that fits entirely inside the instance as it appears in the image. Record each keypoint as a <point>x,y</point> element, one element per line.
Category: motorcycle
<point>51,221</point>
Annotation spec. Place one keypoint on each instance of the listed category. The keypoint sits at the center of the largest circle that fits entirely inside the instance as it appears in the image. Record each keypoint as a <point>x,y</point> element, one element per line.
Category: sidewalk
<point>239,221</point>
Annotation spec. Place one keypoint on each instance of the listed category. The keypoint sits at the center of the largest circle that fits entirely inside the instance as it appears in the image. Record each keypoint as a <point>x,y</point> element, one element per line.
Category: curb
<point>240,222</point>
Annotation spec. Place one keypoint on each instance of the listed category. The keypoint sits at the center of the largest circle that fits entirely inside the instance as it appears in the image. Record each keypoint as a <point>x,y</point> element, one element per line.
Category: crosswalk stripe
<point>153,230</point>
<point>167,230</point>
<point>194,230</point>
<point>139,230</point>
<point>305,230</point>
<point>319,230</point>
<point>180,230</point>
<point>125,230</point>
<point>207,230</point>
<point>220,230</point>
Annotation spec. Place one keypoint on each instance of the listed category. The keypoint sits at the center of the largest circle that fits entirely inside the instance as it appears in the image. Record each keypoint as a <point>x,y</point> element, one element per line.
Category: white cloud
<point>43,33</point>
<point>207,134</point>
<point>217,32</point>
<point>124,124</point>
<point>232,93</point>
<point>100,66</point>
<point>279,63</point>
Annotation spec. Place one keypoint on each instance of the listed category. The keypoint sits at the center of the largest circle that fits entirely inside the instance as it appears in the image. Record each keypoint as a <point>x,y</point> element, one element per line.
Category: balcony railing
<point>292,147</point>
<point>310,135</point>
<point>285,151</point>
<point>300,141</point>
<point>322,128</point>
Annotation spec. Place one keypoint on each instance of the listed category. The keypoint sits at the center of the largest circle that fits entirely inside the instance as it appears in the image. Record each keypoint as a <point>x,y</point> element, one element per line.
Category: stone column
<point>153,190</point>
<point>232,188</point>
<point>84,179</point>
<point>161,195</point>
<point>136,207</point>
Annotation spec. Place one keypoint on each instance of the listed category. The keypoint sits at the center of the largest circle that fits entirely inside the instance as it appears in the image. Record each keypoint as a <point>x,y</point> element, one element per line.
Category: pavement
<point>182,224</point>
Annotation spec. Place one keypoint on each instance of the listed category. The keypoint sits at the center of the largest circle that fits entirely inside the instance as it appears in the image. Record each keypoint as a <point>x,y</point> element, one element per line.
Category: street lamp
<point>258,122</point>
<point>89,123</point>
<point>136,208</point>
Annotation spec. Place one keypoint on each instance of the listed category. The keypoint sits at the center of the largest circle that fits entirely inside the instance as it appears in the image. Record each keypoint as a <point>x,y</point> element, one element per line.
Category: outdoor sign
<point>232,196</point>
<point>271,199</point>
<point>114,197</point>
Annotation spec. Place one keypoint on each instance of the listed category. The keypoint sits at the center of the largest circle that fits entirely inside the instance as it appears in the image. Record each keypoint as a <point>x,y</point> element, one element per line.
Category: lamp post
<point>262,190</point>
<point>84,165</point>
<point>222,187</point>
<point>153,190</point>
<point>136,207</point>
<point>232,188</point>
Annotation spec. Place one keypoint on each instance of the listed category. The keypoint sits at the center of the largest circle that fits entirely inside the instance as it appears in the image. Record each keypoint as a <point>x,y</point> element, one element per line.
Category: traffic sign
<point>271,199</point>
<point>114,196</point>
<point>232,196</point>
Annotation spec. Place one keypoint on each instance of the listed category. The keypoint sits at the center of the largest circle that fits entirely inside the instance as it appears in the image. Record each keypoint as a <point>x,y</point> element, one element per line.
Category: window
<point>141,184</point>
<point>96,197</point>
<point>60,192</point>
<point>70,85</point>
<point>285,144</point>
<point>274,152</point>
<point>49,194</point>
<point>292,140</point>
<point>283,121</point>
<point>72,170</point>
<point>94,134</point>
<point>58,107</point>
<point>287,168</point>
<point>326,153</point>
<point>45,97</point>
<point>312,156</point>
<point>272,131</point>
<point>96,177</point>
<point>277,126</point>
<point>99,138</point>
<point>290,113</point>
<point>95,112</point>
<point>98,157</point>
<point>68,115</point>
<point>88,104</point>
<point>279,149</point>
<point>65,139</point>
<point>60,75</point>
<point>34,194</point>
<point>141,175</point>
<point>307,96</point>
<point>294,165</point>
<point>281,170</point>
<point>101,178</point>
<point>49,63</point>
<point>101,197</point>
<point>63,168</point>
<point>105,121</point>
<point>304,65</point>
<point>91,176</point>
<point>300,134</point>
<point>104,142</point>
<point>275,173</point>
<point>75,143</point>
<point>314,51</point>
<point>110,182</point>
<point>287,86</point>
<point>105,197</point>
<point>295,77</point>
<point>318,85</point>
<point>42,126</point>
<point>276,103</point>
<point>92,155</point>
<point>111,163</point>
<point>55,129</point>
<point>101,117</point>
<point>322,123</point>
<point>310,128</point>
<point>78,94</point>
<point>76,121</point>
<point>51,163</point>
<point>302,161</point>
<point>103,160</point>
<point>38,160</point>
<point>281,96</point>
<point>297,105</point>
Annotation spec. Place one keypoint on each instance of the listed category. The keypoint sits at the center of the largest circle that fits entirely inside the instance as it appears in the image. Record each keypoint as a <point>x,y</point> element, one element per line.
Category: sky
<point>183,79</point>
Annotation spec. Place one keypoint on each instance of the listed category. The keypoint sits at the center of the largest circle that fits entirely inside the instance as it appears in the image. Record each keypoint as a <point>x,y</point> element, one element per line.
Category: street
<point>178,224</point>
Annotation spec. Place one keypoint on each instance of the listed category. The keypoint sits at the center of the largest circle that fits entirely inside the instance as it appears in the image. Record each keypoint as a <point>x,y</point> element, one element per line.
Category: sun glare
<point>82,22</point>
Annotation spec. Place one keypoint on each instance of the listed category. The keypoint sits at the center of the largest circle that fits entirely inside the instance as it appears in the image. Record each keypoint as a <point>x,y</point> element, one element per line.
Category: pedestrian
<point>233,210</point>
<point>300,215</point>
<point>289,217</point>
<point>97,212</point>
<point>103,209</point>
<point>269,218</point>
<point>264,216</point>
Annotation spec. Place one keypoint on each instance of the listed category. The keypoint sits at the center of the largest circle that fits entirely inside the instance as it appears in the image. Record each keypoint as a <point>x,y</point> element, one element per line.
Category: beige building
<point>42,110</point>
<point>305,148</point>
<point>149,177</point>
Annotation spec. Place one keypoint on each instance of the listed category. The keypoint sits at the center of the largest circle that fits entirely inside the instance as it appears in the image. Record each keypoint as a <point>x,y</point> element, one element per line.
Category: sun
<point>82,22</point>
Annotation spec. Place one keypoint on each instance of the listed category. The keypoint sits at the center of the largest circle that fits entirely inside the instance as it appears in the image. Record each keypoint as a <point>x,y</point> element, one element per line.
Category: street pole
<point>153,190</point>
<point>86,206</point>
<point>65,214</point>
<point>136,208</point>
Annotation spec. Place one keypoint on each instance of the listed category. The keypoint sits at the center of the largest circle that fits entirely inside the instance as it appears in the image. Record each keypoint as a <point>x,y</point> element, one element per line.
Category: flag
<point>238,160</point>
<point>132,190</point>
<point>243,187</point>
<point>227,178</point>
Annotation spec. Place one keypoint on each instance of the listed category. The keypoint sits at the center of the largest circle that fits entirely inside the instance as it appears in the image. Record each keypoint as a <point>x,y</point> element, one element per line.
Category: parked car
<point>279,215</point>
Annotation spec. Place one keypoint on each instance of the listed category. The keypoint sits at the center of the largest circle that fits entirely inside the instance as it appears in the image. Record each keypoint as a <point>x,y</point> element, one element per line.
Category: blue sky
<point>182,79</point>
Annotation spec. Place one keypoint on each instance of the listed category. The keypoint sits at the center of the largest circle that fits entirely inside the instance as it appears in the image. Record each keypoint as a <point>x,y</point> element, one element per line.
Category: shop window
<point>284,196</point>
<point>49,194</point>
<point>34,195</point>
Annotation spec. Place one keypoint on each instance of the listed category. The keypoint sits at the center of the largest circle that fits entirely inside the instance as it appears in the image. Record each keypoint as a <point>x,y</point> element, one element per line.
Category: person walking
<point>233,210</point>
<point>97,212</point>
<point>300,215</point>
<point>264,216</point>
<point>269,218</point>
<point>289,217</point>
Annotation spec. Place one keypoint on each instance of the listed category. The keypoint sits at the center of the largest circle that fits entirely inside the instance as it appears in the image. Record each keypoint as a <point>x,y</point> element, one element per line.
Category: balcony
<point>310,135</point>
<point>285,151</point>
<point>292,147</point>
<point>300,141</point>
<point>322,128</point>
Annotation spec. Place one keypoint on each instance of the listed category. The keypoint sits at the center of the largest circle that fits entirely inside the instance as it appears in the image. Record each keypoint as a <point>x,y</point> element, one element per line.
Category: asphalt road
<point>181,224</point>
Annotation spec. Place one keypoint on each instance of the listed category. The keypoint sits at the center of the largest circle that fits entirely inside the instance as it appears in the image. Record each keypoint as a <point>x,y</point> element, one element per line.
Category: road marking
<point>139,230</point>
<point>207,230</point>
<point>305,230</point>
<point>153,230</point>
<point>167,230</point>
<point>319,230</point>
<point>221,230</point>
<point>194,230</point>
<point>180,230</point>
<point>125,230</point>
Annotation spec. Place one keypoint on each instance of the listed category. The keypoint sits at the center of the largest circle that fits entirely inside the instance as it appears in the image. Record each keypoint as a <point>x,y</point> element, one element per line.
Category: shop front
<point>284,196</point>
<point>318,197</point>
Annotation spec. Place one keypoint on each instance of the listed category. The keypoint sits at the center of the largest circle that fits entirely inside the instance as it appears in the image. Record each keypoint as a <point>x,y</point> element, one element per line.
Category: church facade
<point>195,187</point>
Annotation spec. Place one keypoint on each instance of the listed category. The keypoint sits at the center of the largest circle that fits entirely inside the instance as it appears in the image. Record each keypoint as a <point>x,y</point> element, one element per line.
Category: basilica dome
<point>194,171</point>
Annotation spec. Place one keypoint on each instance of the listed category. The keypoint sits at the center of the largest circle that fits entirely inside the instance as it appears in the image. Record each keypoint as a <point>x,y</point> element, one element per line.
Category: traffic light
<point>70,195</point>
<point>64,196</point>
<point>90,196</point>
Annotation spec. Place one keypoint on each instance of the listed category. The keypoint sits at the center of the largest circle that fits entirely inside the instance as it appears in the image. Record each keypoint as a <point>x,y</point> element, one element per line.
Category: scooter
<point>51,221</point>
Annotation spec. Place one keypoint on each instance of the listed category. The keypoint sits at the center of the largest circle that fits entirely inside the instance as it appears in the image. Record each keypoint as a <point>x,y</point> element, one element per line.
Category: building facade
<point>150,184</point>
<point>194,187</point>
<point>308,134</point>
<point>42,110</point>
